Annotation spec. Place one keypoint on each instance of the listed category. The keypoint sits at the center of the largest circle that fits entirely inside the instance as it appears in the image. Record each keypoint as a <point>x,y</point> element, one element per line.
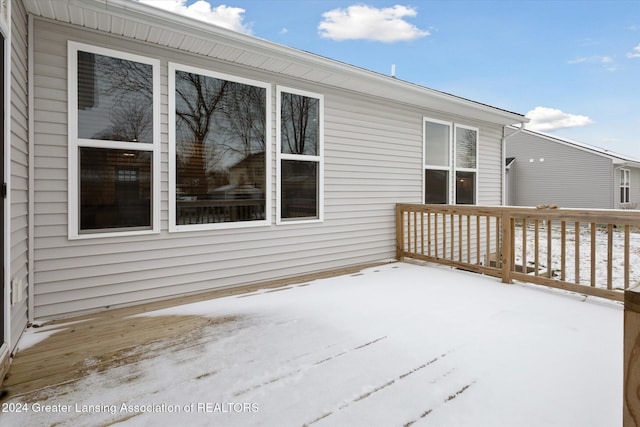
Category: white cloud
<point>222,16</point>
<point>370,23</point>
<point>635,53</point>
<point>608,62</point>
<point>548,119</point>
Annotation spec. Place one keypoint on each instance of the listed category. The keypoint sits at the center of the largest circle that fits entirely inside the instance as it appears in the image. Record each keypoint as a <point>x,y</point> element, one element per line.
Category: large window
<point>625,185</point>
<point>219,150</point>
<point>113,142</point>
<point>300,157</point>
<point>450,169</point>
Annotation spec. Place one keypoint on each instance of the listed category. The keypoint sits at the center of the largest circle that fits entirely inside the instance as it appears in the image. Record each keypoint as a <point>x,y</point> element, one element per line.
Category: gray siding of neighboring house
<point>373,160</point>
<point>635,188</point>
<point>569,177</point>
<point>19,167</point>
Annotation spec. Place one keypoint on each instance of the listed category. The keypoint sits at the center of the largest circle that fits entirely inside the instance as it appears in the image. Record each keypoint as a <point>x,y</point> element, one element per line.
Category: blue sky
<point>572,66</point>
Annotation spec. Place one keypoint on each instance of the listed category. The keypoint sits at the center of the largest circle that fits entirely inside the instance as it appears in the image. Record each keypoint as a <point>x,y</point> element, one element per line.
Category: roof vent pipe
<point>393,70</point>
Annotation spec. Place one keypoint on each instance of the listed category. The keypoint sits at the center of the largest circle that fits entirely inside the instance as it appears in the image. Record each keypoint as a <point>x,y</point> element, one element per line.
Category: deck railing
<point>587,251</point>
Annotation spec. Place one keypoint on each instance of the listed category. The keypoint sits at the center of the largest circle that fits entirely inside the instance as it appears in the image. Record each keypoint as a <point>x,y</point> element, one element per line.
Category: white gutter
<point>504,158</point>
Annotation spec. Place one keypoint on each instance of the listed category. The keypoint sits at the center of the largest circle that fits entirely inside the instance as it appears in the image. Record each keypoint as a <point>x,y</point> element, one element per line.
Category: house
<point>547,170</point>
<point>124,121</point>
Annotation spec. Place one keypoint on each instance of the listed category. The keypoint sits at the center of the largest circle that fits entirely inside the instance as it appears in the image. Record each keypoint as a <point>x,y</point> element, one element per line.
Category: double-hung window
<point>219,127</point>
<point>625,185</point>
<point>114,140</point>
<point>450,163</point>
<point>299,138</point>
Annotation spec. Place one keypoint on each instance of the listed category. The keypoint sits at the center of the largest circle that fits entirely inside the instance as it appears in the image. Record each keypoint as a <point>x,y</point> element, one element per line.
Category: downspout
<point>504,158</point>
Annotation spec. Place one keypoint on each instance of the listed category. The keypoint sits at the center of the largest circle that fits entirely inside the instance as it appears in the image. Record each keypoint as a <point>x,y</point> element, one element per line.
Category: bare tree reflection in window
<point>220,149</point>
<point>299,130</point>
<point>118,89</point>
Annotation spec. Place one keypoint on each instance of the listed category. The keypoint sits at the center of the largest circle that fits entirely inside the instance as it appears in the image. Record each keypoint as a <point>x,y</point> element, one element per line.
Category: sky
<point>572,67</point>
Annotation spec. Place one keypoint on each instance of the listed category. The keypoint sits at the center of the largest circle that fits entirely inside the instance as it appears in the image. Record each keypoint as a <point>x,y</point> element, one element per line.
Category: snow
<point>584,237</point>
<point>396,345</point>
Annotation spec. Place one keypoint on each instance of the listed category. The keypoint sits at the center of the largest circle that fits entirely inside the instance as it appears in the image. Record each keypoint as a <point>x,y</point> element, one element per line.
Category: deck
<point>395,344</point>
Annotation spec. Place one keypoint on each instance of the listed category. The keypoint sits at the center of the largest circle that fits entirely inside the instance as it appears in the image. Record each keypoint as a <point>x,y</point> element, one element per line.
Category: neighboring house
<point>547,170</point>
<point>107,142</point>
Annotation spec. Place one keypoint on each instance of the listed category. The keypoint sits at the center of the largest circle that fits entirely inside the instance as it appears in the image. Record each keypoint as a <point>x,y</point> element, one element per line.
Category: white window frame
<point>173,227</point>
<point>319,158</point>
<point>452,168</point>
<point>75,142</point>
<point>426,166</point>
<point>626,185</point>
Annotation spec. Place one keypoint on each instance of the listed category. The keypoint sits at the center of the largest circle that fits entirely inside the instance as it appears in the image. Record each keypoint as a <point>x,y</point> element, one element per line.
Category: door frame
<point>5,300</point>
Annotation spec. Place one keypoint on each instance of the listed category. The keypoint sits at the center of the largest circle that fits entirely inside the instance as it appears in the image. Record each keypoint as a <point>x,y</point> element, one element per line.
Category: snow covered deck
<point>395,345</point>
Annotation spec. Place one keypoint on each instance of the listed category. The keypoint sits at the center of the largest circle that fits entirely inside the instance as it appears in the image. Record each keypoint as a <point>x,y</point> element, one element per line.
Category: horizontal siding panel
<point>585,176</point>
<point>18,268</point>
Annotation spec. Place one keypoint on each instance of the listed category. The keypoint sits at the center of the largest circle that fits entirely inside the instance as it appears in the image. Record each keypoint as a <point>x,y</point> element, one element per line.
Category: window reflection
<point>115,99</point>
<point>115,188</point>
<point>465,188</point>
<point>300,124</point>
<point>436,186</point>
<point>299,189</point>
<point>466,141</point>
<point>220,150</point>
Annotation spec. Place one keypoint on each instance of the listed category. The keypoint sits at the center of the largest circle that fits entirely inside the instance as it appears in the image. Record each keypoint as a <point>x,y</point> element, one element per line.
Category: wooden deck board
<point>98,341</point>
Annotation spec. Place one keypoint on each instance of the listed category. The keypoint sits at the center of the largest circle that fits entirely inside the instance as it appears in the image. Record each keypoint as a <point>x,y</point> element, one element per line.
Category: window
<point>219,150</point>
<point>466,165</point>
<point>625,185</point>
<point>113,142</point>
<point>450,170</point>
<point>437,163</point>
<point>300,158</point>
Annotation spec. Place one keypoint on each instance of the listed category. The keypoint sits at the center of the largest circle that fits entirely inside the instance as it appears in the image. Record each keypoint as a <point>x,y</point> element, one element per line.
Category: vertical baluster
<point>498,242</point>
<point>429,234</point>
<point>593,254</point>
<point>415,231</point>
<point>478,243</point>
<point>524,245</point>
<point>468,239</point>
<point>627,267</point>
<point>536,239</point>
<point>435,233</point>
<point>488,239</point>
<point>563,250</point>
<point>444,235</point>
<point>422,232</point>
<point>549,266</point>
<point>577,252</point>
<point>609,256</point>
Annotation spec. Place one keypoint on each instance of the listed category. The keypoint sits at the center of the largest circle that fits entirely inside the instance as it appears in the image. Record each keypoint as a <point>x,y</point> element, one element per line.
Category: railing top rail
<point>607,216</point>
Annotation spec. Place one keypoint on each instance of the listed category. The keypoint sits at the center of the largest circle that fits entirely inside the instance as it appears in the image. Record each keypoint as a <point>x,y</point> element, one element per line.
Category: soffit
<point>148,24</point>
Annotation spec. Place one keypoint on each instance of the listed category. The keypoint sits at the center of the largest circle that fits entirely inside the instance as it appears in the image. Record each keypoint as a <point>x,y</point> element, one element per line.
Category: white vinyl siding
<point>19,180</point>
<point>372,160</point>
